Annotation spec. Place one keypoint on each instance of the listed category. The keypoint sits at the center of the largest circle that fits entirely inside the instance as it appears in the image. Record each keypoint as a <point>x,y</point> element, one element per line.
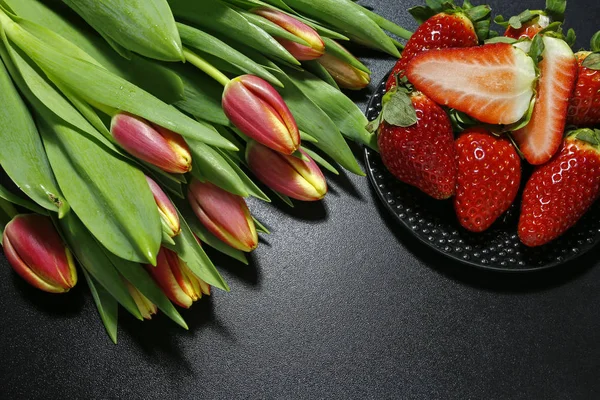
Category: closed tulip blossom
<point>176,279</point>
<point>153,144</point>
<point>168,213</point>
<point>37,253</point>
<point>257,110</point>
<point>315,48</point>
<point>288,175</point>
<point>224,214</point>
<point>145,306</point>
<point>345,74</point>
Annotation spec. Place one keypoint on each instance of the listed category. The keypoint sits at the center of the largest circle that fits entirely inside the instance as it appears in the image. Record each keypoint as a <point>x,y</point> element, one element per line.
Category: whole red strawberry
<point>489,176</point>
<point>421,155</point>
<point>560,192</point>
<point>584,106</point>
<point>441,31</point>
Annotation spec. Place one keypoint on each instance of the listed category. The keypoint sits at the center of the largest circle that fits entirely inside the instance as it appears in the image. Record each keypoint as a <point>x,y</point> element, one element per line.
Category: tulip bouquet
<point>133,130</point>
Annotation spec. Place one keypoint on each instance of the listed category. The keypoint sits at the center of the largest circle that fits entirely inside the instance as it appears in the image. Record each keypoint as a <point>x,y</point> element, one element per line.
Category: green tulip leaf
<point>142,281</point>
<point>338,51</point>
<point>107,306</point>
<point>209,44</point>
<point>190,251</point>
<point>22,153</point>
<point>146,27</point>
<point>111,197</point>
<point>251,187</point>
<point>9,196</point>
<point>217,17</point>
<point>314,67</point>
<point>92,258</point>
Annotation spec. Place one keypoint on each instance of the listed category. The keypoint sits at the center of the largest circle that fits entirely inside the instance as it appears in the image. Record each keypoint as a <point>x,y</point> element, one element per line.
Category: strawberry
<point>492,83</point>
<point>422,154</point>
<point>489,176</point>
<point>584,106</point>
<point>441,31</point>
<point>560,192</point>
<point>528,29</point>
<point>540,139</point>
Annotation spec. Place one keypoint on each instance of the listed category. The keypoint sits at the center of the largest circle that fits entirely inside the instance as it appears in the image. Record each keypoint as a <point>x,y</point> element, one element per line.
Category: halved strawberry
<point>584,107</point>
<point>421,154</point>
<point>441,31</point>
<point>561,191</point>
<point>489,176</point>
<point>540,139</point>
<point>492,83</point>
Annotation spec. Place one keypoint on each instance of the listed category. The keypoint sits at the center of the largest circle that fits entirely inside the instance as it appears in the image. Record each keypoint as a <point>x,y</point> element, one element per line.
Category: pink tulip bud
<point>153,144</point>
<point>166,209</point>
<point>257,110</point>
<point>346,75</point>
<point>224,214</point>
<point>36,252</point>
<point>298,28</point>
<point>146,307</point>
<point>288,175</point>
<point>176,279</point>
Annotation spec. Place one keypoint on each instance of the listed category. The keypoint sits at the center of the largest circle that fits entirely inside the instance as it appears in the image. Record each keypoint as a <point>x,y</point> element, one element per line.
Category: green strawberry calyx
<point>592,61</point>
<point>396,107</point>
<point>588,135</point>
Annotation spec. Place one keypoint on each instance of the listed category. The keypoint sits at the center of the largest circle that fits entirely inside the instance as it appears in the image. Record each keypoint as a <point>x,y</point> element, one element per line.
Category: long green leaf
<point>9,196</point>
<point>251,187</point>
<point>215,168</point>
<point>111,197</point>
<point>199,40</point>
<point>100,87</point>
<point>92,258</point>
<point>223,20</point>
<point>139,71</point>
<point>138,277</point>
<point>272,29</point>
<point>316,122</point>
<point>190,251</point>
<point>22,153</point>
<point>338,51</point>
<point>344,112</point>
<point>318,70</point>
<point>206,236</point>
<point>146,27</point>
<point>107,306</point>
<point>348,19</point>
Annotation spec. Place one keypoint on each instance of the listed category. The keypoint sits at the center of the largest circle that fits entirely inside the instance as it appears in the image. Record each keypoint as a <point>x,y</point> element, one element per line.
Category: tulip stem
<point>205,67</point>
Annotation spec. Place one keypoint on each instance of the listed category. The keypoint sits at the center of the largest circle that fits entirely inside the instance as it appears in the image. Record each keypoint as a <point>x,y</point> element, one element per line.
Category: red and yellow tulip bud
<point>168,213</point>
<point>258,111</point>
<point>153,144</point>
<point>146,307</point>
<point>36,252</point>
<point>288,175</point>
<point>224,214</point>
<point>176,279</point>
<point>347,76</point>
<point>316,46</point>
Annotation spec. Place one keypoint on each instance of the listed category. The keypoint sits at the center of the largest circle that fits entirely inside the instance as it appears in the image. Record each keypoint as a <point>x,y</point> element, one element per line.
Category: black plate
<point>434,223</point>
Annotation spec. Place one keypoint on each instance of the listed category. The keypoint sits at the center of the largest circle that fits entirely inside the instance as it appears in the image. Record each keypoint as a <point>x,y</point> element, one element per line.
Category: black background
<point>337,303</point>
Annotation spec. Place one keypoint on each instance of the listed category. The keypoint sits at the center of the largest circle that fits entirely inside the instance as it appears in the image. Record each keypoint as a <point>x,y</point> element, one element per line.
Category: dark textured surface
<point>434,223</point>
<point>341,303</point>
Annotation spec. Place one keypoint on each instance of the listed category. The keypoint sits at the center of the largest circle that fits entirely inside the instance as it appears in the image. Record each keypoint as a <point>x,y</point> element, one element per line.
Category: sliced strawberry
<point>492,83</point>
<point>489,176</point>
<point>541,138</point>
<point>441,31</point>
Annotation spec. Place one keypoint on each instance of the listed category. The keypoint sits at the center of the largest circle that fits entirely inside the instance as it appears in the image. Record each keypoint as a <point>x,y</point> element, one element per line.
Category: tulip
<point>146,307</point>
<point>298,28</point>
<point>36,252</point>
<point>257,110</point>
<point>224,214</point>
<point>289,175</point>
<point>168,213</point>
<point>176,279</point>
<point>347,76</point>
<point>153,144</point>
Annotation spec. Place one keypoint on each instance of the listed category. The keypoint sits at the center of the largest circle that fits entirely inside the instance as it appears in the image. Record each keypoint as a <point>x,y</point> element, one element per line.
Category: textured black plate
<point>434,223</point>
